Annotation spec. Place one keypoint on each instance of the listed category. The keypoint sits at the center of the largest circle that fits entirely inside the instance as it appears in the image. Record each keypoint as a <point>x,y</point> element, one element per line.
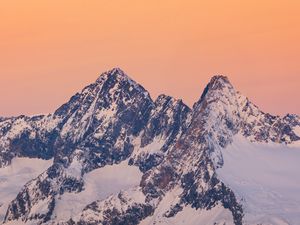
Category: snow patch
<point>153,148</point>
<point>297,130</point>
<point>74,170</point>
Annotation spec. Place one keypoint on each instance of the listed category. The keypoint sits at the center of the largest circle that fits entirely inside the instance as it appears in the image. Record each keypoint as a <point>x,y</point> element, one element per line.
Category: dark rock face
<point>103,118</point>
<point>24,136</point>
<point>133,215</point>
<point>168,120</point>
<point>114,119</point>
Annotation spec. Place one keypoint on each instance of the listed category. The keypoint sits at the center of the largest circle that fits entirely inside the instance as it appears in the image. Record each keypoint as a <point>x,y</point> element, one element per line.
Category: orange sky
<point>51,49</point>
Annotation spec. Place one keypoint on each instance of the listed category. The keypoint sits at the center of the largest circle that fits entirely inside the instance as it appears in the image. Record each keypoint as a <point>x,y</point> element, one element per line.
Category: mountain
<point>112,155</point>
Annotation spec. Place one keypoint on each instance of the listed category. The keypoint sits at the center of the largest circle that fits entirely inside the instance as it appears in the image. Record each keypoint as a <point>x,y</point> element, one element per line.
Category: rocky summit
<point>111,155</point>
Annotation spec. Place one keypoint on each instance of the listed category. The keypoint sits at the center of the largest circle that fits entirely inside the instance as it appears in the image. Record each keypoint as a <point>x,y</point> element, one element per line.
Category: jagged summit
<point>115,70</point>
<point>117,79</point>
<point>219,78</point>
<point>118,70</point>
<point>219,82</point>
<point>116,73</point>
<point>169,99</point>
<point>219,86</point>
<point>113,85</point>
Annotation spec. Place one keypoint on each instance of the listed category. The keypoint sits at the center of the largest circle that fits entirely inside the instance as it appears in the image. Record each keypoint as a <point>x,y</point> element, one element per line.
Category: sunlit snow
<point>266,177</point>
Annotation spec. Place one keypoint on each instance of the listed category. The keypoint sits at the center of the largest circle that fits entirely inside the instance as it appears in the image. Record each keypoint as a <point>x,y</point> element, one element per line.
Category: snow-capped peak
<point>118,76</point>
<point>116,72</point>
<point>102,102</point>
<point>223,112</point>
<point>218,83</point>
<point>219,79</point>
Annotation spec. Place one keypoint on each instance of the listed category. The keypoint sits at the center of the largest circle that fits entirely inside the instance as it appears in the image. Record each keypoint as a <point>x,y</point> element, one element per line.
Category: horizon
<point>51,50</point>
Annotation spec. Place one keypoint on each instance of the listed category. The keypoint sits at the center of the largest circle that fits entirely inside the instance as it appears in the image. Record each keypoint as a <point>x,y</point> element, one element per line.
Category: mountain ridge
<point>114,120</point>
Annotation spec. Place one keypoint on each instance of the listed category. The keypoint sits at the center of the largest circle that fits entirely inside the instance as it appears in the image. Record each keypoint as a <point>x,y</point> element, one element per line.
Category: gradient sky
<point>51,49</point>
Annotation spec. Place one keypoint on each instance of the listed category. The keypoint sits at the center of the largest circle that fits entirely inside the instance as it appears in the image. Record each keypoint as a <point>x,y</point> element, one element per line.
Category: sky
<point>49,50</point>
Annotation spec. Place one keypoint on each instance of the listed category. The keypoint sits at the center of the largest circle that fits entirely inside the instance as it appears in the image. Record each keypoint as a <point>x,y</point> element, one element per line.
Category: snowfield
<point>15,176</point>
<point>98,185</point>
<point>188,216</point>
<point>266,178</point>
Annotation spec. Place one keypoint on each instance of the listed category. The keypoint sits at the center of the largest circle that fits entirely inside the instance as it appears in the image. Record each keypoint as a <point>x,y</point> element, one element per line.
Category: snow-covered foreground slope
<point>98,185</point>
<point>215,216</point>
<point>266,178</point>
<point>218,215</point>
<point>189,216</point>
<point>15,176</point>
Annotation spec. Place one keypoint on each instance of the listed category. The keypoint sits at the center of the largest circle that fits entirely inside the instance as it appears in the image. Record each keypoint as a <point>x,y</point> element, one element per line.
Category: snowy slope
<point>15,176</point>
<point>98,185</point>
<point>266,177</point>
<point>189,216</point>
<point>218,215</point>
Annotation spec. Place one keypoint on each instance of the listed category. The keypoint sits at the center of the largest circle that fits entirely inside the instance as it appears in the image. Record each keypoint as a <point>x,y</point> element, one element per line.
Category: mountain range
<point>112,155</point>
